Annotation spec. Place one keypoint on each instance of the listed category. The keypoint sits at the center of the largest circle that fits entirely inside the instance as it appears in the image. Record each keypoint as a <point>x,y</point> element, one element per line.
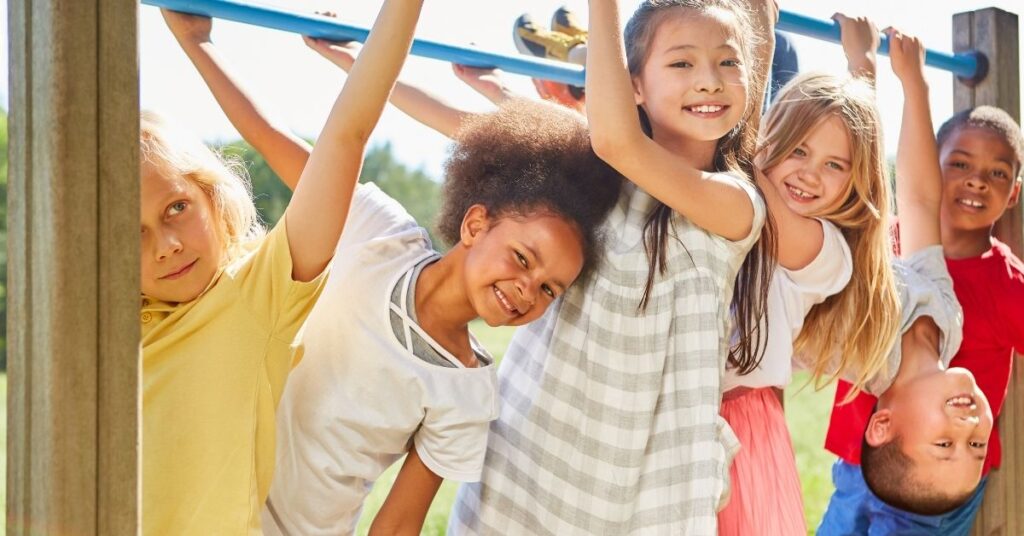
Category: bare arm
<point>860,39</point>
<point>320,205</point>
<point>918,175</point>
<point>487,82</point>
<point>284,152</point>
<point>406,507</point>
<point>708,200</point>
<point>764,14</point>
<point>414,101</point>
<point>799,238</point>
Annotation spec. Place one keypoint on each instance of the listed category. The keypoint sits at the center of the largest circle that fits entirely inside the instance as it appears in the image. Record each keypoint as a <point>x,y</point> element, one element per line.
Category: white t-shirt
<point>360,398</point>
<point>791,296</point>
<point>926,289</point>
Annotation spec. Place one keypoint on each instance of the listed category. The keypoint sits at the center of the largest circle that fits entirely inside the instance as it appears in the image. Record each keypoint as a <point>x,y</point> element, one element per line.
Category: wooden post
<point>73,402</point>
<point>994,33</point>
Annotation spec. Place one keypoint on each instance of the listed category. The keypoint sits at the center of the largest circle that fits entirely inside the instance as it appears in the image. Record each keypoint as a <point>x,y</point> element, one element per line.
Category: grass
<point>3,449</point>
<point>807,413</point>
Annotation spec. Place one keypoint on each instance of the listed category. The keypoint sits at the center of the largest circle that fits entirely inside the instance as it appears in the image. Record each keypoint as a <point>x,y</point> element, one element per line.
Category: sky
<point>298,87</point>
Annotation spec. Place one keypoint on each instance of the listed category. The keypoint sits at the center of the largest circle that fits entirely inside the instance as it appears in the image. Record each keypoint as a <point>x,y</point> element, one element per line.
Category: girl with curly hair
<point>389,367</point>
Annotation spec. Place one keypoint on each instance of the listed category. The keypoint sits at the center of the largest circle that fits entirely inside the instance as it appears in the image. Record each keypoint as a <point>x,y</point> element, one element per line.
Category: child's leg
<point>765,496</point>
<point>847,512</point>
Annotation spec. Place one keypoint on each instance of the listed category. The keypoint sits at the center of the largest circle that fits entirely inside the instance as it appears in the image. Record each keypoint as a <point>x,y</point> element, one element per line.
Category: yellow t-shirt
<point>213,372</point>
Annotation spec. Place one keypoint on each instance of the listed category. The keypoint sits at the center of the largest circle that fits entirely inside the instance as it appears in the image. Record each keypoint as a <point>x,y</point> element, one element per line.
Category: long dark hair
<point>733,153</point>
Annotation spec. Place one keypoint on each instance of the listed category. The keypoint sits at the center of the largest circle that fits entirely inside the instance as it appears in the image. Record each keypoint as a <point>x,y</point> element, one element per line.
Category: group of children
<point>669,254</point>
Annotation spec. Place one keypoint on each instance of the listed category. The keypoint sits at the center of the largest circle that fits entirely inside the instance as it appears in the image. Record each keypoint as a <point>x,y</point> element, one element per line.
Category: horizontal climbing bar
<point>965,65</point>
<point>323,27</point>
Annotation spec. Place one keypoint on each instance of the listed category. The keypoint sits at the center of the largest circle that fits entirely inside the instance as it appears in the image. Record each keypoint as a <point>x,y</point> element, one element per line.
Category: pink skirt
<point>766,497</point>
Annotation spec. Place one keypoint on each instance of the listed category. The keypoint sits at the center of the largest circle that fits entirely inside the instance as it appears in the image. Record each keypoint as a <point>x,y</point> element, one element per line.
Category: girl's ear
<point>638,91</point>
<point>475,224</point>
<point>879,430</point>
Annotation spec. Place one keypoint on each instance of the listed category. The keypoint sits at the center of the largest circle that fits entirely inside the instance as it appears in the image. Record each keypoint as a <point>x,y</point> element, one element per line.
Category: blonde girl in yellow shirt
<point>222,303</point>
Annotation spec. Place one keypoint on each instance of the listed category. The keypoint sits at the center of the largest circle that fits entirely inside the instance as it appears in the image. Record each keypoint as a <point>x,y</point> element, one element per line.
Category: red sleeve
<point>848,422</point>
<point>1014,316</point>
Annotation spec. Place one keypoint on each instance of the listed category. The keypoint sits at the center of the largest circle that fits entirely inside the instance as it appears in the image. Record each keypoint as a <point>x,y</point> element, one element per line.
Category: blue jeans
<point>854,510</point>
<point>785,65</point>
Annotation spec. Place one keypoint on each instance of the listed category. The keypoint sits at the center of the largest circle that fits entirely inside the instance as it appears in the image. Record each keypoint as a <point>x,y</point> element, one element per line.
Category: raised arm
<point>918,176</point>
<point>487,82</point>
<point>709,200</point>
<point>284,152</point>
<point>860,39</point>
<point>416,102</point>
<point>320,205</point>
<point>764,15</point>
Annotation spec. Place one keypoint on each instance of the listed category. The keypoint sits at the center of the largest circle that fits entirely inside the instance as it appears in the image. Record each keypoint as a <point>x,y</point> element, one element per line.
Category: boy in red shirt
<point>981,151</point>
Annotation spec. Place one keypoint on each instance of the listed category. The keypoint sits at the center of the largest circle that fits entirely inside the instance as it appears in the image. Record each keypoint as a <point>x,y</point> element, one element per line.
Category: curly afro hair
<point>525,158</point>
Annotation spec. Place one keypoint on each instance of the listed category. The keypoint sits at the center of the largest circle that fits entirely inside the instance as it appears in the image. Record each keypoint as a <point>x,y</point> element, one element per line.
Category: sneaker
<point>565,21</point>
<point>530,39</point>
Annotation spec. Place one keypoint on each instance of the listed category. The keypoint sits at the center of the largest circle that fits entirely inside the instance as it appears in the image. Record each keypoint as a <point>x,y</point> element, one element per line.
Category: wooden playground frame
<point>73,442</point>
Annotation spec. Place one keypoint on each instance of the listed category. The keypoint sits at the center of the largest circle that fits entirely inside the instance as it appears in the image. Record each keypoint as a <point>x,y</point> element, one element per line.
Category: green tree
<point>270,193</point>
<point>414,189</point>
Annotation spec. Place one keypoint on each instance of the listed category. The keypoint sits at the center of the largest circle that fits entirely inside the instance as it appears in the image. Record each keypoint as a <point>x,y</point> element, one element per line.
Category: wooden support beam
<point>73,353</point>
<point>994,33</point>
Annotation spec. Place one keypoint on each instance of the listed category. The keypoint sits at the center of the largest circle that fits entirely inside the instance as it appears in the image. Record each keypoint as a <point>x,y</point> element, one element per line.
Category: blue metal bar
<point>328,28</point>
<point>964,65</point>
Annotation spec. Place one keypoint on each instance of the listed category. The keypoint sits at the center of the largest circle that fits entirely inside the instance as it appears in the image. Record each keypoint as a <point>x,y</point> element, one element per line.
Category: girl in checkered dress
<point>609,420</point>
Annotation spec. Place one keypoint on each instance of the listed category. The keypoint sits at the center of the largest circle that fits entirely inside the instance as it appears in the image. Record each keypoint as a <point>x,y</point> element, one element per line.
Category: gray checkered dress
<point>609,417</point>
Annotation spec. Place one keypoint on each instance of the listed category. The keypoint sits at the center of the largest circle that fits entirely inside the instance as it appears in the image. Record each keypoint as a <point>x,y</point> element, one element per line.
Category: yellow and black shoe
<point>530,39</point>
<point>565,21</point>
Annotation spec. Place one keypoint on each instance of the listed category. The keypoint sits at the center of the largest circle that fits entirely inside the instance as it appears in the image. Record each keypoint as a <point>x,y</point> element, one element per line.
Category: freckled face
<point>518,265</point>
<point>693,84</point>
<point>818,171</point>
<point>181,246</point>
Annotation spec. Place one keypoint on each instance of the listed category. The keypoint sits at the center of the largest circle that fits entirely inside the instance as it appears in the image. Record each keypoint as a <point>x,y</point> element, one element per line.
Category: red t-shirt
<point>991,291</point>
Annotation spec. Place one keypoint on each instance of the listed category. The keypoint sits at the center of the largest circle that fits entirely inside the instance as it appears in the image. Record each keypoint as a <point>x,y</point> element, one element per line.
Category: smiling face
<point>517,265</point>
<point>816,174</point>
<point>693,83</point>
<point>979,175</point>
<point>181,246</point>
<point>944,422</point>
